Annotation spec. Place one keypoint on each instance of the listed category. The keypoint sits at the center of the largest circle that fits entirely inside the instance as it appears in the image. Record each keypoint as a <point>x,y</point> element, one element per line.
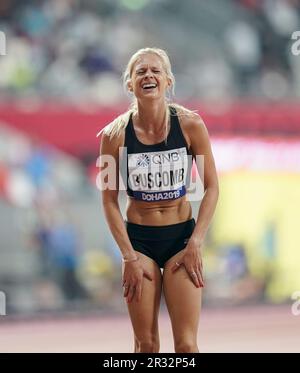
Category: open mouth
<point>149,86</point>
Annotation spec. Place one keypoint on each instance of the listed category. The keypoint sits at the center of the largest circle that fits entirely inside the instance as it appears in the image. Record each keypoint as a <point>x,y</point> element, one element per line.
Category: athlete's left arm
<point>197,137</point>
<point>199,141</point>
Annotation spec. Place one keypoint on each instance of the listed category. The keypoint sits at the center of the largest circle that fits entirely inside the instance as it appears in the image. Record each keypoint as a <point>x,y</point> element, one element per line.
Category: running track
<point>244,329</point>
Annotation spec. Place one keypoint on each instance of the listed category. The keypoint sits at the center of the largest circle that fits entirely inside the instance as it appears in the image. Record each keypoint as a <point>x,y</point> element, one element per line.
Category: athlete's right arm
<point>109,167</point>
<point>133,272</point>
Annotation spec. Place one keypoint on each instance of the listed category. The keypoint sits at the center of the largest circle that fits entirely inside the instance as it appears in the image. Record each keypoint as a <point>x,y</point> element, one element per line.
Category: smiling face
<point>148,77</point>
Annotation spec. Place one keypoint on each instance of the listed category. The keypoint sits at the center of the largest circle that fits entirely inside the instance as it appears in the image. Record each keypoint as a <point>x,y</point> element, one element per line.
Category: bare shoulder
<point>193,128</point>
<point>192,121</point>
<point>111,144</point>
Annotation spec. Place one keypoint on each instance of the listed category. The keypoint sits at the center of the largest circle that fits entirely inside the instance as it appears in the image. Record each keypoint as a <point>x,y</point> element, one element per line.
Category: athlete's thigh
<point>144,314</point>
<point>183,300</point>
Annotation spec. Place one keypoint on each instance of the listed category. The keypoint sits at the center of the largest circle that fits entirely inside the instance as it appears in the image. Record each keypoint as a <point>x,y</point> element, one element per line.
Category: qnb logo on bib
<point>158,172</point>
<point>143,160</point>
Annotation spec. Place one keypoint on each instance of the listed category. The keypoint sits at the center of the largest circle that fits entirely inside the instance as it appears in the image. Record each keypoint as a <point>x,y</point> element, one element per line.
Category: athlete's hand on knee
<point>133,280</point>
<point>191,260</point>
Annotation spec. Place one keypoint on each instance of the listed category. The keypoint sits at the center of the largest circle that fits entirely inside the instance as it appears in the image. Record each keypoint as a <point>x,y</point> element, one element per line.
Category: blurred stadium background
<point>60,83</point>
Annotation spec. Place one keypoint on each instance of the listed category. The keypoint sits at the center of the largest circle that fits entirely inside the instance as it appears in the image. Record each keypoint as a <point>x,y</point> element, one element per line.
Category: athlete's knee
<point>147,345</point>
<point>185,346</point>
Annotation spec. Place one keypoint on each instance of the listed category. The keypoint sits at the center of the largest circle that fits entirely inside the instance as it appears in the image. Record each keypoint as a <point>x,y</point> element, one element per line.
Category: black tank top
<point>157,172</point>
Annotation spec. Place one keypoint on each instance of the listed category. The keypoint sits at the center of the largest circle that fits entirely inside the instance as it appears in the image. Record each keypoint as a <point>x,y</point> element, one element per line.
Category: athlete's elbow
<point>213,190</point>
<point>109,199</point>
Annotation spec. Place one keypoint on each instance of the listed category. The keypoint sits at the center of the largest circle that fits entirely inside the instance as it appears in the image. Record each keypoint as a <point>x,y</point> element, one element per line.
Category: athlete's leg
<point>144,314</point>
<point>183,301</point>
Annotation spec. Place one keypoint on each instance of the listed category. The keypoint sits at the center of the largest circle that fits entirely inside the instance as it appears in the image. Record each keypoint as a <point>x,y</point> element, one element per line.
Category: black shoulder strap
<point>129,133</point>
<point>176,127</point>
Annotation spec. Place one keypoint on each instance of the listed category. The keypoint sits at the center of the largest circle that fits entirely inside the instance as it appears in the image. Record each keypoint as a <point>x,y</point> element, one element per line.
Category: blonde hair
<point>115,127</point>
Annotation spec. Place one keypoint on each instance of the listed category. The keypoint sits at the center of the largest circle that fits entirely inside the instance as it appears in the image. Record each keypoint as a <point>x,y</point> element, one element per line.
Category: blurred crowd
<point>76,50</point>
<point>33,173</point>
<point>48,259</point>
